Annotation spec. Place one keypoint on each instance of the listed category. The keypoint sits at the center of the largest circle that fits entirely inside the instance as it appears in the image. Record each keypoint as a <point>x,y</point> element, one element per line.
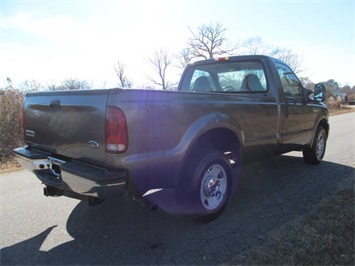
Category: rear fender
<point>201,127</point>
<point>205,124</point>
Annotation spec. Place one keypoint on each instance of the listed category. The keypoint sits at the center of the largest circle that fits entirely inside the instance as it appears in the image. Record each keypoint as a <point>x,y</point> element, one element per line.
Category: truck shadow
<point>270,194</point>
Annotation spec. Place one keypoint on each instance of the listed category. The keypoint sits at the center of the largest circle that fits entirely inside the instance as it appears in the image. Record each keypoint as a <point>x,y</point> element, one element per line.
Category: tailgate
<point>69,123</point>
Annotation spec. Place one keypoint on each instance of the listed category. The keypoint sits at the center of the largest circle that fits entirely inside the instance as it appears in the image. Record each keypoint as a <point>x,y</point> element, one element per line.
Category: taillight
<point>116,135</point>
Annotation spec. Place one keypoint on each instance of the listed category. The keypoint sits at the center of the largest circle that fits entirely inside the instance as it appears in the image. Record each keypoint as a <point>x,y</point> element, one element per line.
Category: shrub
<point>333,103</point>
<point>11,135</point>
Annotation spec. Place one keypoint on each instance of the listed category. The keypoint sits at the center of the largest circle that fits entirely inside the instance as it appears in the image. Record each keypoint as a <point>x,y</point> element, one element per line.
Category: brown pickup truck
<point>181,150</point>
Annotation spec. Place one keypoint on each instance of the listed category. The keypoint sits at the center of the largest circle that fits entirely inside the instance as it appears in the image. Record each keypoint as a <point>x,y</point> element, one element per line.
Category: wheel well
<point>222,139</point>
<point>325,125</point>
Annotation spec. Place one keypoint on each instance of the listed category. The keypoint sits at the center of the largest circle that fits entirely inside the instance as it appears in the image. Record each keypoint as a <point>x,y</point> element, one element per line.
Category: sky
<point>53,40</point>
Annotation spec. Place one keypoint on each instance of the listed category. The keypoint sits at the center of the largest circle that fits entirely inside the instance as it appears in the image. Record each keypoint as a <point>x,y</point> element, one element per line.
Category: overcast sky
<point>49,41</point>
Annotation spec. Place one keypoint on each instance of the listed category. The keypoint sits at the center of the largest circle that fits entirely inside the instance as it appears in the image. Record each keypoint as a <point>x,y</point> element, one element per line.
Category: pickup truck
<point>181,150</point>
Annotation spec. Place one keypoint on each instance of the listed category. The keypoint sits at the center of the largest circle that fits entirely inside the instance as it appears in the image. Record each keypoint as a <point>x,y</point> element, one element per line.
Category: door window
<point>290,84</point>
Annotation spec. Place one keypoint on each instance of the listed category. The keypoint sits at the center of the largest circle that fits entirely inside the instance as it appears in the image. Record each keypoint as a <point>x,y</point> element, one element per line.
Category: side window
<point>290,83</point>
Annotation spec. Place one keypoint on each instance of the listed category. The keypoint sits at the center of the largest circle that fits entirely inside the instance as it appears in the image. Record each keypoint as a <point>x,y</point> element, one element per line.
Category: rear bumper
<point>73,176</point>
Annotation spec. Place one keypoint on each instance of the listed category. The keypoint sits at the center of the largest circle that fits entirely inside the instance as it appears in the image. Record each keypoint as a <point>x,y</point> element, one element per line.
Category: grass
<point>339,111</point>
<point>323,237</point>
<point>9,164</point>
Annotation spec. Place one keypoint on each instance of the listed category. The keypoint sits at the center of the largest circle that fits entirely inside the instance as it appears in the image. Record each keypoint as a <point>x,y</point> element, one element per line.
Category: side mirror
<point>319,92</point>
<point>307,95</point>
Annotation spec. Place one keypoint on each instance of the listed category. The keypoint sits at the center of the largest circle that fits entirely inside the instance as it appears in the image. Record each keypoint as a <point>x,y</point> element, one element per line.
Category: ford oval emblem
<point>93,144</point>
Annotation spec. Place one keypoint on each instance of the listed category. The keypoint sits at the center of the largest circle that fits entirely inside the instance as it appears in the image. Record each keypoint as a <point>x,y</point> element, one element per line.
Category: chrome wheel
<point>213,187</point>
<point>315,153</point>
<point>320,146</point>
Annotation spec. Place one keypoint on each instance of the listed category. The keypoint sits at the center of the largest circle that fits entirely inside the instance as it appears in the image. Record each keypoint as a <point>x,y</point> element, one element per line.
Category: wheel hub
<point>213,187</point>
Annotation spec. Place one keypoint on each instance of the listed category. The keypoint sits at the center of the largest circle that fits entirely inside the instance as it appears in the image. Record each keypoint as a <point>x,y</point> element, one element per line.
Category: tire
<point>207,186</point>
<point>315,153</point>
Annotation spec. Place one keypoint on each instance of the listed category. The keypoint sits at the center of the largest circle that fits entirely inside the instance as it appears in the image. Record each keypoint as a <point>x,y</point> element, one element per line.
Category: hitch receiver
<point>49,191</point>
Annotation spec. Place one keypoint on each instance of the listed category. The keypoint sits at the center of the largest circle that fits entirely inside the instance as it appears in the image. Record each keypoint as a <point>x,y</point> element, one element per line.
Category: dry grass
<point>339,111</point>
<point>9,164</point>
<point>323,237</point>
<point>11,135</point>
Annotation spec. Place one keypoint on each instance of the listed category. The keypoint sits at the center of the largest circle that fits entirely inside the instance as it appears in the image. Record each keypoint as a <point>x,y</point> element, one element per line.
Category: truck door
<point>298,116</point>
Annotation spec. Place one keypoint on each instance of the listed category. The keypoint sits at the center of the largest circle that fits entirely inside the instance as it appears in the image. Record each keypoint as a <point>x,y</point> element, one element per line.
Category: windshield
<point>226,76</point>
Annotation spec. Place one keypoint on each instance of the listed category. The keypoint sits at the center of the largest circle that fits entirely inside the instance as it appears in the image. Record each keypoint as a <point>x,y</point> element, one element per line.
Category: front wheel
<point>207,185</point>
<point>315,153</point>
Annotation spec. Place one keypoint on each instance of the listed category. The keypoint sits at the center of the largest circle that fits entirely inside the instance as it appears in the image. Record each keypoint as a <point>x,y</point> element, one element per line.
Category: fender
<point>203,125</point>
<point>322,119</point>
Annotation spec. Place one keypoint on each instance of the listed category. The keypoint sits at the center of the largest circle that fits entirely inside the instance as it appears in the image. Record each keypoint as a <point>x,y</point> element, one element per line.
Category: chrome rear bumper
<point>73,176</point>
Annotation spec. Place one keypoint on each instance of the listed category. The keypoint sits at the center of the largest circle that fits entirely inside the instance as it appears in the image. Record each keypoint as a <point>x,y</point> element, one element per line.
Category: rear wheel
<point>207,186</point>
<point>315,153</point>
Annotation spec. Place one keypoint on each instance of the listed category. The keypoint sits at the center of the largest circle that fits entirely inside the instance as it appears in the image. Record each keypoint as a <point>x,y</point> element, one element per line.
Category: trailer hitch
<point>49,191</point>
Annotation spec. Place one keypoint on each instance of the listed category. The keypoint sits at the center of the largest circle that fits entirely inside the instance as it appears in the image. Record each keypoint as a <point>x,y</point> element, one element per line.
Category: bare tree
<point>209,41</point>
<point>120,70</point>
<point>9,83</point>
<point>184,58</point>
<point>30,86</point>
<point>75,84</point>
<point>160,61</point>
<point>256,46</point>
<point>253,45</point>
<point>291,59</point>
<point>52,87</point>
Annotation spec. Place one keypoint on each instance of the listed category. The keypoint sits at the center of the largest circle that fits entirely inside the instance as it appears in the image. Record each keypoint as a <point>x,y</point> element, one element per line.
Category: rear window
<point>226,77</point>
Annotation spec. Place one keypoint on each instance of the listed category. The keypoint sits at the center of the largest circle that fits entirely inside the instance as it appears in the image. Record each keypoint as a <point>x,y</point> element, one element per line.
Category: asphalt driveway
<point>39,230</point>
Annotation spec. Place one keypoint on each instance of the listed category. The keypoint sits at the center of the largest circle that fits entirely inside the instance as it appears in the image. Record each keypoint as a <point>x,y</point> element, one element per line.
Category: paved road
<point>39,230</point>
